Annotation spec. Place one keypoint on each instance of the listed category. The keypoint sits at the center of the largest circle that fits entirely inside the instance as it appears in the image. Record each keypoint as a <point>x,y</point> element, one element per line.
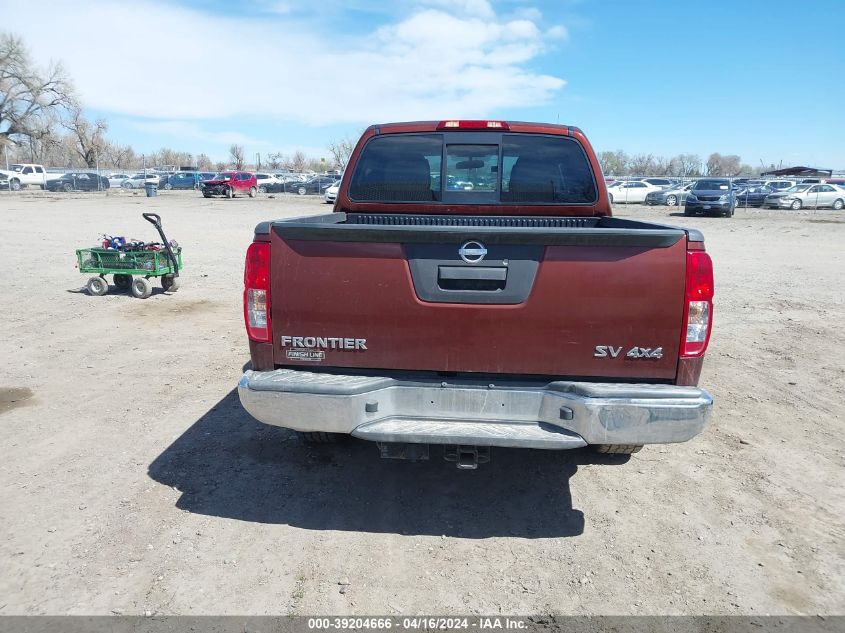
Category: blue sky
<point>758,78</point>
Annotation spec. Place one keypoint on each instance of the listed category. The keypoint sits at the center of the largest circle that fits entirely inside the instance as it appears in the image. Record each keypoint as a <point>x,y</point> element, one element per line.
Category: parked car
<point>78,181</point>
<point>181,180</point>
<point>330,195</point>
<point>630,191</point>
<point>710,196</point>
<point>671,196</point>
<point>139,181</point>
<point>116,180</point>
<point>268,183</point>
<point>230,184</point>
<point>394,321</point>
<point>753,196</point>
<point>316,184</point>
<point>814,196</point>
<point>4,180</point>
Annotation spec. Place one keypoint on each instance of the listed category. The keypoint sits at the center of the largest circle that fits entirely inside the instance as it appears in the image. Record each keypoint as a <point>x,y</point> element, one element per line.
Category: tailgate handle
<point>465,272</point>
<point>471,279</point>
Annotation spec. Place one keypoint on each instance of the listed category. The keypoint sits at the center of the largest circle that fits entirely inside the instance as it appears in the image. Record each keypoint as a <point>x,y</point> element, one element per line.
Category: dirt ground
<point>131,481</point>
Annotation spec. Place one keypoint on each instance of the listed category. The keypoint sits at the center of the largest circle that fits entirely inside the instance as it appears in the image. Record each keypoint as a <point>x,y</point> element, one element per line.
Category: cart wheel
<point>122,281</point>
<point>141,288</point>
<point>97,286</point>
<point>170,283</point>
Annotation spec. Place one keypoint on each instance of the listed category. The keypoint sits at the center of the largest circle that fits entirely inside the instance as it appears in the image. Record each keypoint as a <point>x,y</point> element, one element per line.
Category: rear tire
<point>252,192</point>
<point>97,286</point>
<point>170,283</point>
<point>838,204</point>
<point>122,282</point>
<point>141,288</point>
<point>318,437</point>
<point>618,449</point>
<point>230,193</point>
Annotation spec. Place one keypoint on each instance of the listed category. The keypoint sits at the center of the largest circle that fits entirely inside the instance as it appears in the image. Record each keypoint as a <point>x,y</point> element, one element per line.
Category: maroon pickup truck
<point>472,289</point>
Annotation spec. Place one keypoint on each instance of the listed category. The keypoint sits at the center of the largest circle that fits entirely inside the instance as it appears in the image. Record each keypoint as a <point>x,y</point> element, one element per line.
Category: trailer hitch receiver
<point>467,457</point>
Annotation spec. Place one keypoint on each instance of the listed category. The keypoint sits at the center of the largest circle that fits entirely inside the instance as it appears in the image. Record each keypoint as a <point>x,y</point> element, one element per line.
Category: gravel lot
<point>132,482</point>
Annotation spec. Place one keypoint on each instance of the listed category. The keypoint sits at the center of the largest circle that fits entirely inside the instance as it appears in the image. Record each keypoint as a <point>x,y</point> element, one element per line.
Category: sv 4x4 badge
<point>609,351</point>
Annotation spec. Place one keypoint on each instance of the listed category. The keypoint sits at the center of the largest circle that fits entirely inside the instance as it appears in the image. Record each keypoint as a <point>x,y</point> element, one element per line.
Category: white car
<point>801,196</point>
<point>139,181</point>
<point>630,191</point>
<point>116,180</point>
<point>268,182</point>
<point>330,194</point>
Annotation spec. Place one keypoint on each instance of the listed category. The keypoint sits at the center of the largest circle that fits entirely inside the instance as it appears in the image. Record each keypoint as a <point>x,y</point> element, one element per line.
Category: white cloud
<point>191,130</point>
<point>160,61</point>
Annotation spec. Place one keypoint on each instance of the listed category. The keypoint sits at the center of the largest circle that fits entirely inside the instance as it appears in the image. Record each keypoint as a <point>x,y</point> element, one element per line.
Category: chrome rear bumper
<point>551,415</point>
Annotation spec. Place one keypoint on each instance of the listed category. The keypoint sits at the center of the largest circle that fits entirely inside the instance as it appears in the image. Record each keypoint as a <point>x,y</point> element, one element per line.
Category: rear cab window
<point>473,168</point>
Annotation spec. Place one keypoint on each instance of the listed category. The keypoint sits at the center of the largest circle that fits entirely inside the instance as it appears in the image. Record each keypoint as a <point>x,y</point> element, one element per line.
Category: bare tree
<point>298,161</point>
<point>276,160</point>
<point>713,166</point>
<point>642,164</point>
<point>87,136</point>
<point>661,166</point>
<point>203,162</point>
<point>118,156</point>
<point>341,151</point>
<point>731,165</point>
<point>685,165</point>
<point>236,152</point>
<point>614,163</point>
<point>29,98</point>
<point>172,157</point>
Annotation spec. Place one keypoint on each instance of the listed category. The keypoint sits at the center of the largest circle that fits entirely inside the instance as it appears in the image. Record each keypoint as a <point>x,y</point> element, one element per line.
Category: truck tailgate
<point>563,297</point>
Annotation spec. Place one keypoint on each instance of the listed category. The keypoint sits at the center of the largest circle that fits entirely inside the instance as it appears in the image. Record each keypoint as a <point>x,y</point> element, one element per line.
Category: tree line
<point>619,163</point>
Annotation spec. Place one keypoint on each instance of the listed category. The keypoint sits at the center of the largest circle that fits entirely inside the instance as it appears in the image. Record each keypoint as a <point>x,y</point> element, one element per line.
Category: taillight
<point>257,291</point>
<point>698,304</point>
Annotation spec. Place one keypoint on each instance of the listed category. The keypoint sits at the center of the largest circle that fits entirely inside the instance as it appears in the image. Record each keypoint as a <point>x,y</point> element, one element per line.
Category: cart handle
<point>155,220</point>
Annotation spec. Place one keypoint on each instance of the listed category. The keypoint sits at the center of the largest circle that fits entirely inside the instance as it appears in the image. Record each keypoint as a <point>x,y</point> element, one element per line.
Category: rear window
<point>399,168</point>
<point>473,168</point>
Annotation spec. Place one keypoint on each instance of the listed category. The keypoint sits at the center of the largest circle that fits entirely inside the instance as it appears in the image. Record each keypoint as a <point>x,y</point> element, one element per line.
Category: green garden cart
<point>132,266</point>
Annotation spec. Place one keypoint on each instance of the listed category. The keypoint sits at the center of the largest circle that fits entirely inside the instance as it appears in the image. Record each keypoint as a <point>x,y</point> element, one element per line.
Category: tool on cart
<point>132,263</point>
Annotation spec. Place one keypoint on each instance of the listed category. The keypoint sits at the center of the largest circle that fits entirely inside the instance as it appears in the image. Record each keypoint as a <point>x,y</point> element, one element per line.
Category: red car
<point>229,183</point>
